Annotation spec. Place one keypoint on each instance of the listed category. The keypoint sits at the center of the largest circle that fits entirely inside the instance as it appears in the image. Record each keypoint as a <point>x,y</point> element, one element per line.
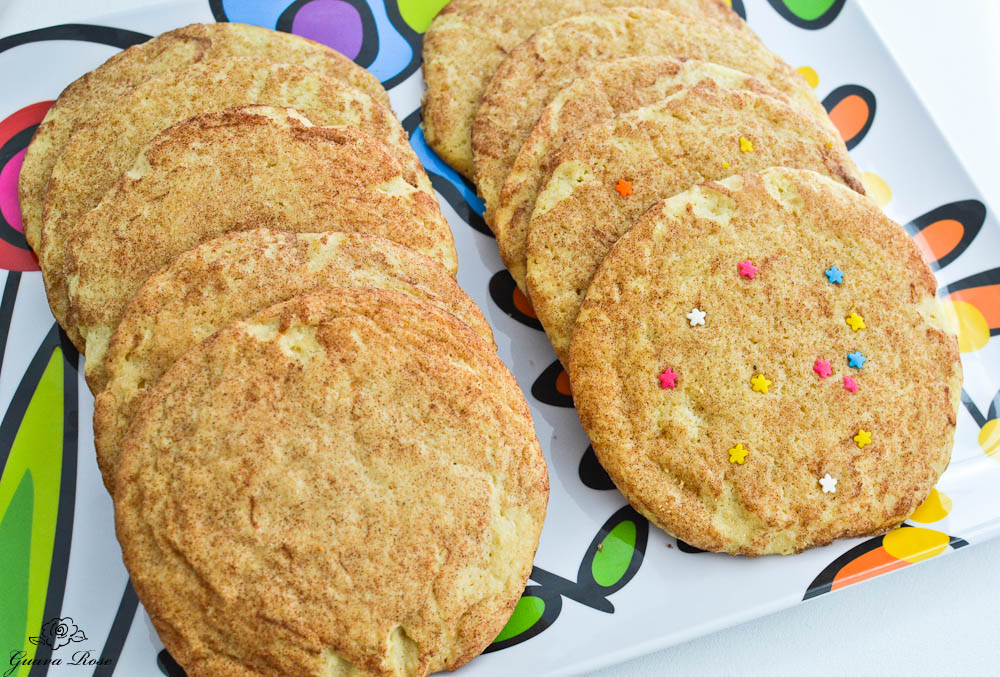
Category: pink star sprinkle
<point>747,269</point>
<point>668,379</point>
<point>850,384</point>
<point>822,367</point>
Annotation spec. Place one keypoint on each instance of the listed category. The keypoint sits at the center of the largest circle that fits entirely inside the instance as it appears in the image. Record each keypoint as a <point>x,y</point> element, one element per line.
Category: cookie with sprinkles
<point>610,89</point>
<point>716,461</point>
<point>661,149</point>
<point>535,71</point>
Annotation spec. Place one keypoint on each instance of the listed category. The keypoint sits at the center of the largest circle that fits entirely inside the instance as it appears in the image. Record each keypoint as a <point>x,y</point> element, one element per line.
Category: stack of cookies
<point>755,350</point>
<point>318,462</point>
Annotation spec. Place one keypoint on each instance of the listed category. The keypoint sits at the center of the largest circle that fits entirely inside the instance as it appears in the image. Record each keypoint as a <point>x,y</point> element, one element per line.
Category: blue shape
<point>835,275</point>
<point>856,360</point>
<point>434,164</point>
<point>394,52</point>
<point>255,12</point>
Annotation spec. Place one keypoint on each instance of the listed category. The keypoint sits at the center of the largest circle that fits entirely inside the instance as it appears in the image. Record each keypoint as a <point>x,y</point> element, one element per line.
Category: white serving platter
<point>584,608</point>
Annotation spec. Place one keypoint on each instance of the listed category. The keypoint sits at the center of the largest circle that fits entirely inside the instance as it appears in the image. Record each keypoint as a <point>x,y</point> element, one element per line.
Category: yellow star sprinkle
<point>863,437</point>
<point>725,165</point>
<point>738,454</point>
<point>745,145</point>
<point>760,383</point>
<point>855,321</point>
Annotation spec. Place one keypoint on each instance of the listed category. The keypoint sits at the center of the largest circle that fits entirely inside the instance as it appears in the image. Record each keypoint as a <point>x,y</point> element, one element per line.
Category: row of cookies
<point>597,115</point>
<point>317,459</point>
<point>590,119</point>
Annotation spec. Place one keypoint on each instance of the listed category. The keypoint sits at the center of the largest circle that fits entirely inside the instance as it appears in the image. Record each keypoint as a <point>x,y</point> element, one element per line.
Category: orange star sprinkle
<point>624,187</point>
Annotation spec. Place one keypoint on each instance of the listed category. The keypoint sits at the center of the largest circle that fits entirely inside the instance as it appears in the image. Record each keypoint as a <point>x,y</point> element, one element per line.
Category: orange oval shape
<point>868,565</point>
<point>939,239</point>
<point>562,383</point>
<point>986,300</point>
<point>522,303</point>
<point>849,116</point>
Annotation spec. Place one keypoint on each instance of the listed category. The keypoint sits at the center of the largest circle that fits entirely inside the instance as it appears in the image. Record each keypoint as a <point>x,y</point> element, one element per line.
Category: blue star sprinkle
<point>856,360</point>
<point>835,275</point>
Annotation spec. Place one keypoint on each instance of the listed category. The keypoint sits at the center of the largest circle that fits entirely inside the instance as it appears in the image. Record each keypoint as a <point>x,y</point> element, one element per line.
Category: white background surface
<point>943,616</point>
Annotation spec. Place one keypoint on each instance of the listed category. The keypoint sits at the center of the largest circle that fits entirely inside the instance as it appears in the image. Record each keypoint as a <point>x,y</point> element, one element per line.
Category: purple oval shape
<point>332,22</point>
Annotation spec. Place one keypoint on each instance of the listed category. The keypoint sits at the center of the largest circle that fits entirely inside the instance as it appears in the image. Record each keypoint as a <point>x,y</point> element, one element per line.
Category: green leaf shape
<point>612,559</point>
<point>418,14</point>
<point>808,10</point>
<point>15,533</point>
<point>35,457</point>
<point>527,612</point>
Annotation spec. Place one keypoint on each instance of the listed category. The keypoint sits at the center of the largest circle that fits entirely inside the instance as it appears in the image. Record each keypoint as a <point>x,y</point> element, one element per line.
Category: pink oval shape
<point>10,208</point>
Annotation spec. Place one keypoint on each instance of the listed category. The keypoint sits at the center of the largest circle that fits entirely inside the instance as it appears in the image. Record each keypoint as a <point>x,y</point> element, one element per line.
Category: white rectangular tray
<point>583,609</point>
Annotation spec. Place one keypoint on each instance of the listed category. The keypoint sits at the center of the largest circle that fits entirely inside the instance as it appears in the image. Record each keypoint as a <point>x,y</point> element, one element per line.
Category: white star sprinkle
<point>696,316</point>
<point>829,484</point>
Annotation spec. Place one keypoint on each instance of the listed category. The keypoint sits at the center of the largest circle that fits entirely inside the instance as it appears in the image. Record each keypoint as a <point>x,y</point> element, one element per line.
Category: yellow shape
<point>989,438</point>
<point>973,330</point>
<point>915,544</point>
<point>725,165</point>
<point>863,438</point>
<point>878,190</point>
<point>936,507</point>
<point>745,145</point>
<point>810,74</point>
<point>738,454</point>
<point>855,321</point>
<point>760,383</point>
